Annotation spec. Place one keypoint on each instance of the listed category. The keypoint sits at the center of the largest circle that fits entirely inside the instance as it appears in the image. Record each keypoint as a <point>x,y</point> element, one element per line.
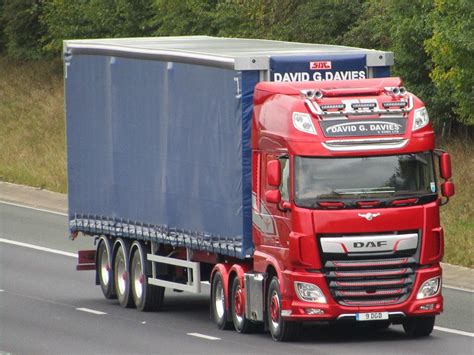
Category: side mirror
<point>445,166</point>
<point>274,173</point>
<point>273,196</point>
<point>447,189</point>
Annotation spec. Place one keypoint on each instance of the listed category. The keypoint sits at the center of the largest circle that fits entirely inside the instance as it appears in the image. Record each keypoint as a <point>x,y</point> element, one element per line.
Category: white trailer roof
<point>231,53</point>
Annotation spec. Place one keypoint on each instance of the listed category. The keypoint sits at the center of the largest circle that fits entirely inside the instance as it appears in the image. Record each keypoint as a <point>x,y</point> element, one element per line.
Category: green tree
<point>254,19</point>
<point>22,30</point>
<point>403,27</point>
<point>2,28</point>
<point>94,19</point>
<point>187,17</point>
<point>322,21</point>
<point>372,29</point>
<point>452,51</point>
<point>314,21</point>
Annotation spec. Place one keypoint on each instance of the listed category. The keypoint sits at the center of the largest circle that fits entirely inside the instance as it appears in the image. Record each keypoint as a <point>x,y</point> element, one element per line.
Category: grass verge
<point>457,217</point>
<point>32,137</point>
<point>32,148</point>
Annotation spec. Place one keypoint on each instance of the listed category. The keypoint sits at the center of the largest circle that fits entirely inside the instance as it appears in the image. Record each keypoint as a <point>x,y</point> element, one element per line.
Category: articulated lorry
<point>300,180</point>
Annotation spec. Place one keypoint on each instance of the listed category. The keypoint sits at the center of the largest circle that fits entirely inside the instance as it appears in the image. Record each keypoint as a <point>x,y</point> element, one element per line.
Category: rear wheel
<point>280,329</point>
<point>104,270</point>
<point>241,324</point>
<point>419,326</point>
<point>218,302</point>
<point>122,275</point>
<point>145,296</point>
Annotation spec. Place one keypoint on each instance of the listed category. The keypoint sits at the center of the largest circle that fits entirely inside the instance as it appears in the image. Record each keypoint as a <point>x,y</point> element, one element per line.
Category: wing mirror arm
<point>284,206</point>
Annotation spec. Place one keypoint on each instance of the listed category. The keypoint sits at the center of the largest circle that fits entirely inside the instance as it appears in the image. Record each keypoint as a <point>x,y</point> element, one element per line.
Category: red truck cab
<point>346,204</point>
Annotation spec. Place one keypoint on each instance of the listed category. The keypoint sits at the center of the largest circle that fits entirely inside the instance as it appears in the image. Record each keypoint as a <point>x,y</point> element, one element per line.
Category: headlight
<point>303,123</point>
<point>420,119</point>
<point>309,292</point>
<point>429,288</point>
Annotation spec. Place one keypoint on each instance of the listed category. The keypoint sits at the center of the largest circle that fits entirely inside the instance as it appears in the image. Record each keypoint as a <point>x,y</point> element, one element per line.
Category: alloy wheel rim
<point>238,305</point>
<point>219,300</point>
<point>104,267</point>
<point>275,310</point>
<point>138,279</point>
<point>121,273</point>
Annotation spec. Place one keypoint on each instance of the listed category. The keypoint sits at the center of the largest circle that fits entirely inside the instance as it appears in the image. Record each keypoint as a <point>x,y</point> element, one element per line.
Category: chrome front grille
<point>370,269</point>
<point>370,282</point>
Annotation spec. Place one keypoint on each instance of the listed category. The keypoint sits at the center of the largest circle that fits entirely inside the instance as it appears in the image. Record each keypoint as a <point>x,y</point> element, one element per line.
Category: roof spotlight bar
<point>333,106</point>
<point>404,105</point>
<point>394,104</point>
<point>369,105</point>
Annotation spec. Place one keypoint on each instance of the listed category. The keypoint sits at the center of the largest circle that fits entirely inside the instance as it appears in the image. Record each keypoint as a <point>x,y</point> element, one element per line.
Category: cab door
<point>272,220</point>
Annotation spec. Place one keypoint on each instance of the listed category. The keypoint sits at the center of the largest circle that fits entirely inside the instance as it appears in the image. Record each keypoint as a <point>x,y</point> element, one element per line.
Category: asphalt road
<point>45,308</point>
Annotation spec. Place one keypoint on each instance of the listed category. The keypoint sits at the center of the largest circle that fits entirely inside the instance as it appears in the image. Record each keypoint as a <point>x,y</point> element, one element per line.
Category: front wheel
<point>280,329</point>
<point>419,326</point>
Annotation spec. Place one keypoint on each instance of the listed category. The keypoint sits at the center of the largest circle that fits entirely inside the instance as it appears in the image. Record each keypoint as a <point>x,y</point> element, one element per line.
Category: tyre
<point>419,326</point>
<point>146,297</point>
<point>122,275</point>
<point>280,329</point>
<point>105,272</point>
<point>218,302</point>
<point>241,324</point>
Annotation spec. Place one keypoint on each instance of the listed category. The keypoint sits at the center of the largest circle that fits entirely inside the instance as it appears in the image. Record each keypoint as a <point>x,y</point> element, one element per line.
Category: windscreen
<point>380,177</point>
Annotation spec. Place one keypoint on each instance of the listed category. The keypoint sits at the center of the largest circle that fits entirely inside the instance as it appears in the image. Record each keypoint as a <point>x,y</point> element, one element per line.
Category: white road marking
<point>2,290</point>
<point>37,247</point>
<point>458,288</point>
<point>93,311</point>
<point>204,336</point>
<point>454,331</point>
<point>34,208</point>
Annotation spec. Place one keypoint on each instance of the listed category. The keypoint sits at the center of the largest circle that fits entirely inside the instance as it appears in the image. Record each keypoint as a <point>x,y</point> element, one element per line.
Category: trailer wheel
<point>145,296</point>
<point>122,275</point>
<point>280,329</point>
<point>218,302</point>
<point>241,324</point>
<point>104,269</point>
<point>419,326</point>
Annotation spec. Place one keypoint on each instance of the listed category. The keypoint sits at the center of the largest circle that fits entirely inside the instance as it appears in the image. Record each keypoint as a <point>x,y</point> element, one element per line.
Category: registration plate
<point>372,316</point>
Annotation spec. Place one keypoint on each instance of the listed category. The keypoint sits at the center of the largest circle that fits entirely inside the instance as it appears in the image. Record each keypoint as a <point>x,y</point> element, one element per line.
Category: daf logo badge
<point>369,216</point>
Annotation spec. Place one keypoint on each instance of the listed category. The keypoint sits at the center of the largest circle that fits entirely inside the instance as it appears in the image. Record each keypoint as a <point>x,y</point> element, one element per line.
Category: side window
<point>285,179</point>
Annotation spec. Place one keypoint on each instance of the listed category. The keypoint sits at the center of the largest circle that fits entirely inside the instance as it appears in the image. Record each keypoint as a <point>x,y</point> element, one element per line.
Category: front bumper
<point>297,310</point>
